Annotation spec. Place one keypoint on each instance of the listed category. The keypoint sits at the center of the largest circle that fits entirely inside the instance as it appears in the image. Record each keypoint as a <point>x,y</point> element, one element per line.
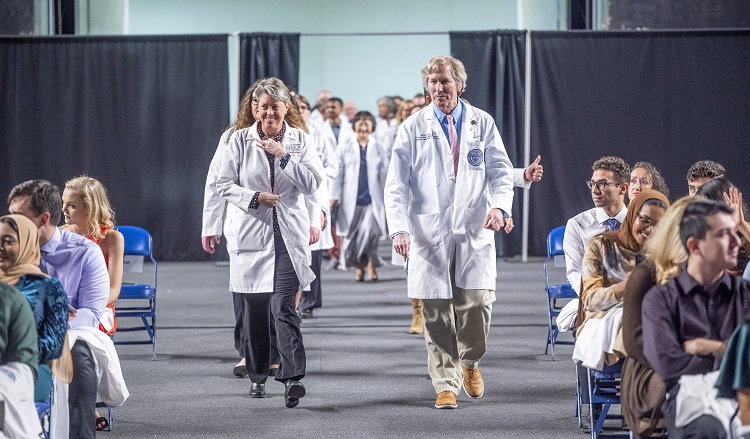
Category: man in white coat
<point>449,188</point>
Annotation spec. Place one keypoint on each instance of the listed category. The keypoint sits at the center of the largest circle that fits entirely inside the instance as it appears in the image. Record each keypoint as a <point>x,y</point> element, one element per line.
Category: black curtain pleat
<point>141,114</point>
<point>264,54</point>
<point>495,64</point>
<point>669,98</point>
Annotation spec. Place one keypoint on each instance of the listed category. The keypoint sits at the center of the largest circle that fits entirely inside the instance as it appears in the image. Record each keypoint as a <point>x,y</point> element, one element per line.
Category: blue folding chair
<point>555,292</point>
<point>138,242</point>
<point>604,391</point>
<point>44,410</point>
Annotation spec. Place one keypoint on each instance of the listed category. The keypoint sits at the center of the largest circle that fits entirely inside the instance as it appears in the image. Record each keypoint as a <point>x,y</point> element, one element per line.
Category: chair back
<point>137,240</point>
<point>555,242</point>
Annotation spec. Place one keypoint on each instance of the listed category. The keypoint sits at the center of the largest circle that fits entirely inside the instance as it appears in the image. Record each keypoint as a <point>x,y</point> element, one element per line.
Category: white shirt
<point>578,232</point>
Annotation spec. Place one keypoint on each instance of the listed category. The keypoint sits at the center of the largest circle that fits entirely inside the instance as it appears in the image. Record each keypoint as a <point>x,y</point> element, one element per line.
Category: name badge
<point>475,157</point>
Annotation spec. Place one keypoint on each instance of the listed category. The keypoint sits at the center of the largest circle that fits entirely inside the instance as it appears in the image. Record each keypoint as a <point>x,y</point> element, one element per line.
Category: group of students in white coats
<point>279,181</point>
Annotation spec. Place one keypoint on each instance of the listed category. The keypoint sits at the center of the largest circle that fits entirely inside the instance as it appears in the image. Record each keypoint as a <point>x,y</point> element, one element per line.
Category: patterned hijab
<point>29,254</point>
<point>624,237</point>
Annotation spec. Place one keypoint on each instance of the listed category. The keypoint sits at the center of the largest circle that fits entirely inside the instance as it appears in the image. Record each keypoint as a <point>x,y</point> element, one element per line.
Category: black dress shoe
<point>258,390</point>
<point>293,392</point>
<point>240,371</point>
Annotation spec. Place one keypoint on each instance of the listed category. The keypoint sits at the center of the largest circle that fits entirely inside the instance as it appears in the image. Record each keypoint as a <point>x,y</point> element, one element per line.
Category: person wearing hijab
<point>19,267</point>
<point>611,256</point>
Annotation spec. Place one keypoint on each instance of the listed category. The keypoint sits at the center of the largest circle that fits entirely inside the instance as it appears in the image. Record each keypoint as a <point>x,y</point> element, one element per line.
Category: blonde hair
<point>94,197</point>
<point>457,69</point>
<point>665,246</point>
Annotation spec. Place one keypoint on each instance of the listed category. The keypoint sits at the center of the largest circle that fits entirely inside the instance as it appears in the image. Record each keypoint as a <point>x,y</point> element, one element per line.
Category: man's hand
<point>268,199</point>
<point>704,346</point>
<point>314,235</point>
<point>401,244</point>
<point>334,203</point>
<point>534,171</point>
<point>210,242</point>
<point>495,221</point>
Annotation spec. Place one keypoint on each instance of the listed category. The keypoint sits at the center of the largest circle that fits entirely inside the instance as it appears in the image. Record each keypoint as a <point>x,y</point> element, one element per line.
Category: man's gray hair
<point>273,87</point>
<point>456,66</point>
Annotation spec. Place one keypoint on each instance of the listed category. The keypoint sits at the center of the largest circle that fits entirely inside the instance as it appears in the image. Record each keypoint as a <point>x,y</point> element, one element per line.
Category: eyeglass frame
<point>601,185</point>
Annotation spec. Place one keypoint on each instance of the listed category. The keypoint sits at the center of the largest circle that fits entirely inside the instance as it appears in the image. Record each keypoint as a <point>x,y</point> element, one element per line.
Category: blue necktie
<point>612,224</point>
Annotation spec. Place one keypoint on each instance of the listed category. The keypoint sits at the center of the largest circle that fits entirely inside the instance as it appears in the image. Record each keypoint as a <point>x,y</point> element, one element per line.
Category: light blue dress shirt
<point>457,113</point>
<point>78,264</point>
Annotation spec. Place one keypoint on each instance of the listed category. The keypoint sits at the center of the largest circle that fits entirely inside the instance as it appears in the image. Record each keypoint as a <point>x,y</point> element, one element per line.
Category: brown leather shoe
<point>473,382</point>
<point>446,400</point>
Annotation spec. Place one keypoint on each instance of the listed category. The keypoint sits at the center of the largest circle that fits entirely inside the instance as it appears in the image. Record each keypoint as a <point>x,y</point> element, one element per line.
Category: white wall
<point>353,67</point>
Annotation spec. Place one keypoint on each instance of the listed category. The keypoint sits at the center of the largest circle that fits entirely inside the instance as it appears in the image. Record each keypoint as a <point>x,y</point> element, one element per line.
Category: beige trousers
<point>456,335</point>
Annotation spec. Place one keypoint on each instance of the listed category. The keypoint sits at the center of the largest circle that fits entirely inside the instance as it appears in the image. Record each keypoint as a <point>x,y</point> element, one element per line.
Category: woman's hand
<point>272,147</point>
<point>268,199</point>
<point>619,287</point>
<point>704,346</point>
<point>734,200</point>
<point>314,235</point>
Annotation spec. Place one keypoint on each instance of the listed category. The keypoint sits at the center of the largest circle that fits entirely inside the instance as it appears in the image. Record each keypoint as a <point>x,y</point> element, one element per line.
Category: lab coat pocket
<point>426,229</point>
<point>468,223</point>
<point>251,232</point>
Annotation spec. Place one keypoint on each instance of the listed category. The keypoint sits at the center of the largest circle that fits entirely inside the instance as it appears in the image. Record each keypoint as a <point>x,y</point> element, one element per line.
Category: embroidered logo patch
<point>294,148</point>
<point>429,136</point>
<point>475,157</point>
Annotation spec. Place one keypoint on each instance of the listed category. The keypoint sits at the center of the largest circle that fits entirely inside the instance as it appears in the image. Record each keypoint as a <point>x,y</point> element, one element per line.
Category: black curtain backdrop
<point>141,114</point>
<point>263,55</point>
<point>670,98</point>
<point>495,63</point>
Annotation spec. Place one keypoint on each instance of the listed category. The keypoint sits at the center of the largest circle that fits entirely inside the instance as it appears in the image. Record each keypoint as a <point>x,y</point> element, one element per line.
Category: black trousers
<point>313,298</point>
<point>82,393</point>
<point>704,427</point>
<point>240,341</point>
<point>258,310</point>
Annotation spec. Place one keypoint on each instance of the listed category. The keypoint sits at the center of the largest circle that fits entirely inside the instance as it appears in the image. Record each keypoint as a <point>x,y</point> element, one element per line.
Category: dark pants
<point>704,427</point>
<point>258,310</point>
<point>82,396</point>
<point>313,298</point>
<point>240,342</point>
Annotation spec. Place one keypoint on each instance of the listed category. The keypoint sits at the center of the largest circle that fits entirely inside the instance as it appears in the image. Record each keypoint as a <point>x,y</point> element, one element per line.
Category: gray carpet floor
<point>366,376</point>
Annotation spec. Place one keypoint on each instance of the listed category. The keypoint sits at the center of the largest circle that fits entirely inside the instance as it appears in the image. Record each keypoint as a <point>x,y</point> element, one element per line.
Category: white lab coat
<point>346,132</point>
<point>346,185</point>
<point>249,232</point>
<point>214,206</point>
<point>444,216</point>
<point>327,155</point>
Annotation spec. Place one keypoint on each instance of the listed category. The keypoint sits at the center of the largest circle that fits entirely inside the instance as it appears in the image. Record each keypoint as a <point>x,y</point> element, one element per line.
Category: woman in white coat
<point>313,298</point>
<point>358,190</point>
<point>265,174</point>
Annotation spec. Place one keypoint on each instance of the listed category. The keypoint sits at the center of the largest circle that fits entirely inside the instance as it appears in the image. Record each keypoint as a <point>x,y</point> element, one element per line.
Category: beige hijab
<point>28,251</point>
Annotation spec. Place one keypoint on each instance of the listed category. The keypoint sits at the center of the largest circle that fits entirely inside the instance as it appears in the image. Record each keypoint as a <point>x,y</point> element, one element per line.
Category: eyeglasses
<point>645,222</point>
<point>600,185</point>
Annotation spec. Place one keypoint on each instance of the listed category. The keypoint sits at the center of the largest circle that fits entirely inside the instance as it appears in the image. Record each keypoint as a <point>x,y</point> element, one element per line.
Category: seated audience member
<point>687,321</point>
<point>734,375</point>
<point>87,212</point>
<point>607,264</point>
<point>419,100</point>
<point>79,266</point>
<point>642,391</point>
<point>19,267</point>
<point>645,176</point>
<point>721,189</point>
<point>701,172</point>
<point>608,186</point>
<point>18,366</point>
